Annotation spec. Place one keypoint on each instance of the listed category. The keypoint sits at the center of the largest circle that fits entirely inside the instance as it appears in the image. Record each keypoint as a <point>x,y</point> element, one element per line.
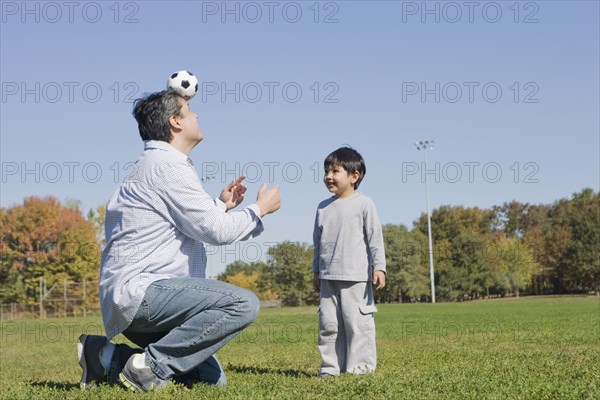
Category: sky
<point>507,90</point>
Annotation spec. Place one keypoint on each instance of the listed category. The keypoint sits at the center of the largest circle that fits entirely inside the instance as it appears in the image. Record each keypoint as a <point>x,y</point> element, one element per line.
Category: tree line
<point>508,250</point>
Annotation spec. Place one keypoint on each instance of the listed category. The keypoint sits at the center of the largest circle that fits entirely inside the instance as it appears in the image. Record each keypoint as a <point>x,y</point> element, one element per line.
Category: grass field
<point>528,348</point>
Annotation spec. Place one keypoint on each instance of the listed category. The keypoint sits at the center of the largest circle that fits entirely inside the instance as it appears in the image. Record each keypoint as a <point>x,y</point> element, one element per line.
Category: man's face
<point>189,122</point>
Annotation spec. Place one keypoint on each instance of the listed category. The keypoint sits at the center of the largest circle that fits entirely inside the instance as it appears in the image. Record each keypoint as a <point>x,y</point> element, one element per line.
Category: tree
<point>579,269</point>
<point>251,276</point>
<point>466,275</point>
<point>407,276</point>
<point>509,218</point>
<point>564,238</point>
<point>290,266</point>
<point>243,280</point>
<point>549,243</point>
<point>96,217</point>
<point>42,238</point>
<point>514,266</point>
<point>459,236</point>
<point>237,267</point>
<point>449,222</point>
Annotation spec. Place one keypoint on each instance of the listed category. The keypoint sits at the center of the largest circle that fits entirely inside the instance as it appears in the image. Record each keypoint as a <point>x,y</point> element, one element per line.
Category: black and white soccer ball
<point>184,83</point>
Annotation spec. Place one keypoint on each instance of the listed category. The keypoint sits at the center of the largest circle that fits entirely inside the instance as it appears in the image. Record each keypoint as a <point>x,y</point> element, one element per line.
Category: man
<point>152,275</point>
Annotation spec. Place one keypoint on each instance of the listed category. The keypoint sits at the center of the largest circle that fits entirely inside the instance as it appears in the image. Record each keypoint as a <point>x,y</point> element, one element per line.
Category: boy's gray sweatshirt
<point>348,239</point>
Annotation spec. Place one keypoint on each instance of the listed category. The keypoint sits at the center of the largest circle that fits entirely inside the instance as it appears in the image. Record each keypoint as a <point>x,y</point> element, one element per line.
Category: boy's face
<point>339,182</point>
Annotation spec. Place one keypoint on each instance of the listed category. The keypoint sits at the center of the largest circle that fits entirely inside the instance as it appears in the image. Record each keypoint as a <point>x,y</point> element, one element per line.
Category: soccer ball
<point>184,83</point>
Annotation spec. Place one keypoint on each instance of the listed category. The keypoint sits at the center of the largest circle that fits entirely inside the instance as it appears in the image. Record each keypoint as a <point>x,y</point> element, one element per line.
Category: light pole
<point>425,145</point>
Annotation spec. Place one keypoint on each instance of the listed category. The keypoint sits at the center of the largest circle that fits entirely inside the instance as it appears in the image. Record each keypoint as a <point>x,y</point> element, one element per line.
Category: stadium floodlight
<point>428,145</point>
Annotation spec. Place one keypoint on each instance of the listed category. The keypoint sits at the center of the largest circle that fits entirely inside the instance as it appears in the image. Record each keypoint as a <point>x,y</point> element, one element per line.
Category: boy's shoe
<point>88,352</point>
<point>140,379</point>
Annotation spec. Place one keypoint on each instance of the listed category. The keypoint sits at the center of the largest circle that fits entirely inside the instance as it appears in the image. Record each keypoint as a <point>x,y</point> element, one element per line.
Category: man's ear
<point>174,122</point>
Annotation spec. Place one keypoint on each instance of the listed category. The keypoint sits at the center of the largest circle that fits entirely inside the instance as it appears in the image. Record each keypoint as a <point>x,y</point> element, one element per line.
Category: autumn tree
<point>237,267</point>
<point>579,268</point>
<point>251,276</point>
<point>564,238</point>
<point>43,238</point>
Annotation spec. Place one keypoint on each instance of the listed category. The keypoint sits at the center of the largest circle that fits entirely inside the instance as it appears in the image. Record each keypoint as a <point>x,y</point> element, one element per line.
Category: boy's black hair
<point>349,159</point>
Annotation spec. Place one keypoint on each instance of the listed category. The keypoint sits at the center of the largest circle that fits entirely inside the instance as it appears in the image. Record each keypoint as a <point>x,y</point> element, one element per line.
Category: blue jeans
<point>182,322</point>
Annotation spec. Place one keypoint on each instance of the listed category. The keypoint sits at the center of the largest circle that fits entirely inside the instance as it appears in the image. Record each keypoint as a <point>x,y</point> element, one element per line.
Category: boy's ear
<point>354,177</point>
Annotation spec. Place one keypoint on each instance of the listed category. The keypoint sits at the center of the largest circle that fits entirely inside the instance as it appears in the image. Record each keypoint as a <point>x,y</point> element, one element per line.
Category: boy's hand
<point>316,282</point>
<point>379,279</point>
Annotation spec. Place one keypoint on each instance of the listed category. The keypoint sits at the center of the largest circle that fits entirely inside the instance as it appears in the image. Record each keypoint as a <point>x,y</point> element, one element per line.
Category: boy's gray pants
<point>347,327</point>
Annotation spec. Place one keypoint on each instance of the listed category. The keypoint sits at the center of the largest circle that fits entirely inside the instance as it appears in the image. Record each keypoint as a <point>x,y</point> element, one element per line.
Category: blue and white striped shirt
<point>156,225</point>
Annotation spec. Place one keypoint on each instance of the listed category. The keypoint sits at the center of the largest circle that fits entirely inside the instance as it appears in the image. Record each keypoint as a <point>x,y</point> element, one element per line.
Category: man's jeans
<point>182,322</point>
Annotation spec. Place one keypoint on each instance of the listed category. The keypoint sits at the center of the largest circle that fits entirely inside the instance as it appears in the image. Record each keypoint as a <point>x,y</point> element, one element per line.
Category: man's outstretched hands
<point>268,200</point>
<point>233,194</point>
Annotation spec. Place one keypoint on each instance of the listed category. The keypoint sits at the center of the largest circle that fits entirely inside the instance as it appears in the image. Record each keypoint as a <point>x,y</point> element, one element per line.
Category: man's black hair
<point>152,114</point>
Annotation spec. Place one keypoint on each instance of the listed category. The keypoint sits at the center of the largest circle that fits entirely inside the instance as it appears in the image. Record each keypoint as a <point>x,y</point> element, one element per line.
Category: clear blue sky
<point>509,91</point>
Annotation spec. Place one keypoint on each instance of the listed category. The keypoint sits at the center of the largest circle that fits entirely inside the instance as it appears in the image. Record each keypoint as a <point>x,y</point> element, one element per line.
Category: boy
<point>349,259</point>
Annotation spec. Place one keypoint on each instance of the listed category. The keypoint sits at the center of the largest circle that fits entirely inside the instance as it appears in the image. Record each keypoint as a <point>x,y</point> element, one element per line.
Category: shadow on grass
<point>55,385</point>
<point>262,371</point>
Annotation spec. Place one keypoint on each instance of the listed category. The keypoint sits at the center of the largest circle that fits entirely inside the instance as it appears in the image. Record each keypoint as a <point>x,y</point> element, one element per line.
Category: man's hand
<point>379,279</point>
<point>233,194</point>
<point>268,200</point>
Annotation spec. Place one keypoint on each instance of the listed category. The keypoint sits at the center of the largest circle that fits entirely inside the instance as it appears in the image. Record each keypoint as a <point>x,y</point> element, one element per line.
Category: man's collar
<point>158,144</point>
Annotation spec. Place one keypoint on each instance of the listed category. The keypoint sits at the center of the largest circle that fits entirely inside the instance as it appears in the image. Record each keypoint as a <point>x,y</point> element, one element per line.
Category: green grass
<point>528,348</point>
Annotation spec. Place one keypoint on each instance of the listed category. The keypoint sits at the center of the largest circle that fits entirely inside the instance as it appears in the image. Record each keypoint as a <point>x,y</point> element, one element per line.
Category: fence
<point>13,311</point>
<point>63,299</point>
<point>69,299</point>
